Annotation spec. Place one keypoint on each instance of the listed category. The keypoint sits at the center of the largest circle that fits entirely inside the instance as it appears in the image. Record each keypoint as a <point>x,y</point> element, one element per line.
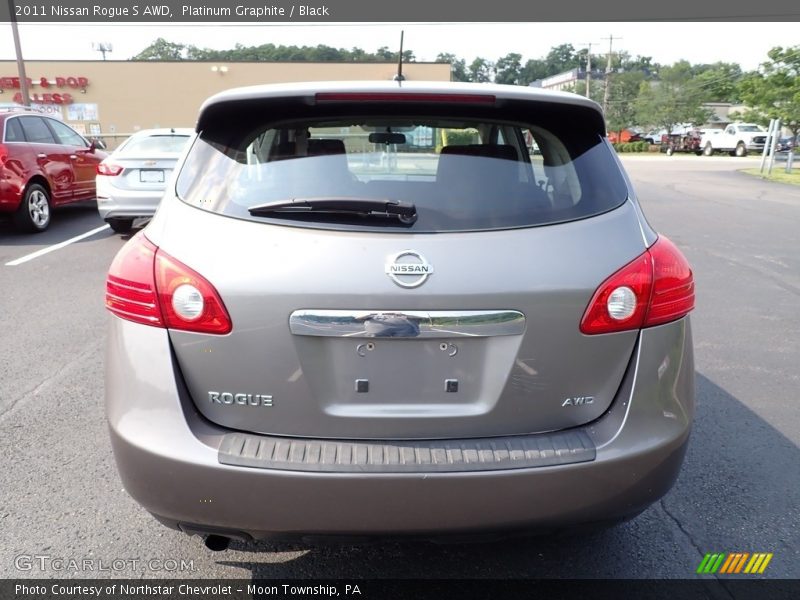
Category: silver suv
<point>371,308</point>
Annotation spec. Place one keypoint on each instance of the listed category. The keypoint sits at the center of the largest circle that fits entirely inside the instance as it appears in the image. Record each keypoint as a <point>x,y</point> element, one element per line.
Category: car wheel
<point>708,150</point>
<point>33,213</point>
<point>741,150</point>
<point>120,225</point>
<point>670,151</point>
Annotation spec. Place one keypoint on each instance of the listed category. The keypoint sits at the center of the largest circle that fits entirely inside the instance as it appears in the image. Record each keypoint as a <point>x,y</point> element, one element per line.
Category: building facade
<point>116,98</point>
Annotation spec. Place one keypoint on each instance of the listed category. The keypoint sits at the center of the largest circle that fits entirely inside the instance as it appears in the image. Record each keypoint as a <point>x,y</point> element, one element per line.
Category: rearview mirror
<point>387,138</point>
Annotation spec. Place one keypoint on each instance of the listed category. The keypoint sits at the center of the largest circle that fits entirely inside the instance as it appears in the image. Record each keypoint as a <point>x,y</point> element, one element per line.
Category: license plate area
<point>397,377</point>
<point>151,176</point>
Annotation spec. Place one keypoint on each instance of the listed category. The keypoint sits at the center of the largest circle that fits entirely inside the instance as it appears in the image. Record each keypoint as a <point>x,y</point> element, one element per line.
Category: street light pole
<point>23,79</point>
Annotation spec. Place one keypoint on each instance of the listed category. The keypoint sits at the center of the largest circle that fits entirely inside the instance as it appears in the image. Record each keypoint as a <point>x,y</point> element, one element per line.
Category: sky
<point>702,42</point>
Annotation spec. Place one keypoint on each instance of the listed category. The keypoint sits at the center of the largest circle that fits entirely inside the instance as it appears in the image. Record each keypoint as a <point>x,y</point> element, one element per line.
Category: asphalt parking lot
<point>61,498</point>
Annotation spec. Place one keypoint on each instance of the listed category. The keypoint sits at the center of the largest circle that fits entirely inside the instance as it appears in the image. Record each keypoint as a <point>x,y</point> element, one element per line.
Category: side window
<point>36,130</point>
<point>14,131</point>
<point>66,135</point>
<point>730,131</point>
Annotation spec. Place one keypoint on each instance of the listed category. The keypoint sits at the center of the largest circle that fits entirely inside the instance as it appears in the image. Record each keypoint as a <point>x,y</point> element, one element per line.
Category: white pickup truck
<point>737,138</point>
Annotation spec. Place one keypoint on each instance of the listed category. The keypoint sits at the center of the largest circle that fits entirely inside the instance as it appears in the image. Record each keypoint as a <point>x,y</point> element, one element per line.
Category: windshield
<point>155,144</point>
<point>459,174</point>
<point>749,128</point>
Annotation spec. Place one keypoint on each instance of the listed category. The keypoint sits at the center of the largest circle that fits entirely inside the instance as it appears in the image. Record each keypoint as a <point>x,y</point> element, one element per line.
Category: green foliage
<point>675,99</point>
<point>534,70</point>
<point>718,81</point>
<point>561,58</point>
<point>774,91</point>
<point>462,137</point>
<point>630,147</point>
<point>480,70</point>
<point>163,50</point>
<point>508,69</point>
<point>623,91</point>
<point>458,67</point>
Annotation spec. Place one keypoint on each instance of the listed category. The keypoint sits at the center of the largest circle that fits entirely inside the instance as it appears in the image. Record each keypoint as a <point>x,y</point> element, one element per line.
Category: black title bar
<point>411,11</point>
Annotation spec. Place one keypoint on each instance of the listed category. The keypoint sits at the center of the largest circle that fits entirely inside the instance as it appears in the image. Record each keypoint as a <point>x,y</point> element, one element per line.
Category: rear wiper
<point>405,212</point>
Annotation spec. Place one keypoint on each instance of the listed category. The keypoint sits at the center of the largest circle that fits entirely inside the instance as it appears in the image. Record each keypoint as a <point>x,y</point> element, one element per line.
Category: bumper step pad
<point>425,456</point>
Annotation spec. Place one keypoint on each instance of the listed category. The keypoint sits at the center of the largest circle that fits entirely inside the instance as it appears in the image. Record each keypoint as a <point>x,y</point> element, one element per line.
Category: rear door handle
<point>41,155</point>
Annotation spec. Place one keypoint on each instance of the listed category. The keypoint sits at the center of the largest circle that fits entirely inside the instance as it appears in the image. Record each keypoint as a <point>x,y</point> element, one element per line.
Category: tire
<point>120,225</point>
<point>741,150</point>
<point>708,150</point>
<point>670,151</point>
<point>33,213</point>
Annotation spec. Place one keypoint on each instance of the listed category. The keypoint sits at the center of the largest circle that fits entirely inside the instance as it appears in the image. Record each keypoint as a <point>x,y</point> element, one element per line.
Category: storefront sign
<point>48,91</point>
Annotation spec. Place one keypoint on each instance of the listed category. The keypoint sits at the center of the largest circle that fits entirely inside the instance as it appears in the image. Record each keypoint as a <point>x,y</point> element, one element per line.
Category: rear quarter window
<point>13,131</point>
<point>464,169</point>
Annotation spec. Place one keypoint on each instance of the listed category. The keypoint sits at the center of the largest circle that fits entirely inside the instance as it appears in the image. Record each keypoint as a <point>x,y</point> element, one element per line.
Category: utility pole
<point>589,71</point>
<point>23,79</point>
<point>610,39</point>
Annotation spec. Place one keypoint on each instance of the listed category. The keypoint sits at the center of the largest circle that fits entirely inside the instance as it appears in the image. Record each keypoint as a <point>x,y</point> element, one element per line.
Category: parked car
<point>655,136</point>
<point>307,340</point>
<point>132,180</point>
<point>44,164</point>
<point>784,144</point>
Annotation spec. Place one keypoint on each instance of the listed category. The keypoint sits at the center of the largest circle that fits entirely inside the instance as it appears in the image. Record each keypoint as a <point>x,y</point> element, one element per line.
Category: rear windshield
<point>460,172</point>
<point>155,144</point>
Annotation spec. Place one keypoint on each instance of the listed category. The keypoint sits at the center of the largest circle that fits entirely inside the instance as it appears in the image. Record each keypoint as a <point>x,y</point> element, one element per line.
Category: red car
<point>43,164</point>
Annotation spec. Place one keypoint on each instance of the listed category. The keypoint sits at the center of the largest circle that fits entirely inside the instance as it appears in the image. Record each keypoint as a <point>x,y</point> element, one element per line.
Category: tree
<point>533,70</point>
<point>774,91</point>
<point>621,111</point>
<point>161,49</point>
<point>595,89</point>
<point>668,103</point>
<point>561,58</point>
<point>508,69</point>
<point>719,81</point>
<point>480,70</point>
<point>458,66</point>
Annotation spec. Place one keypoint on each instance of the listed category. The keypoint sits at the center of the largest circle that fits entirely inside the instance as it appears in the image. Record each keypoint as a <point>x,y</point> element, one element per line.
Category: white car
<point>131,181</point>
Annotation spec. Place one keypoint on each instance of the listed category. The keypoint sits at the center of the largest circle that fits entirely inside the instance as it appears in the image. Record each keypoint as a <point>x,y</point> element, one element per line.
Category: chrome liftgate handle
<point>407,323</point>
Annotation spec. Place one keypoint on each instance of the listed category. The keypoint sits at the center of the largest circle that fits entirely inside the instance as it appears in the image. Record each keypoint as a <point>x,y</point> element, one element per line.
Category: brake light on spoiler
<point>405,97</point>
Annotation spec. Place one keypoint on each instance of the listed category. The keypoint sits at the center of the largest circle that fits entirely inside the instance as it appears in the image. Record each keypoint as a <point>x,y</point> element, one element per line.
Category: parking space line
<point>55,247</point>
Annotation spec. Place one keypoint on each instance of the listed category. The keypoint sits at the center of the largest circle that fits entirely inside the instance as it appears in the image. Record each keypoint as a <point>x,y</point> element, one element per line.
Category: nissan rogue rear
<point>372,309</point>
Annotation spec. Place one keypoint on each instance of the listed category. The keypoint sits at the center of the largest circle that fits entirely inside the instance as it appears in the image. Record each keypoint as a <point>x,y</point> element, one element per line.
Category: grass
<point>778,174</point>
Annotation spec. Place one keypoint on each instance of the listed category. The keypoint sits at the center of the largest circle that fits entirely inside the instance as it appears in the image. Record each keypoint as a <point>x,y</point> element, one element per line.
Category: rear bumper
<point>168,459</point>
<point>115,203</point>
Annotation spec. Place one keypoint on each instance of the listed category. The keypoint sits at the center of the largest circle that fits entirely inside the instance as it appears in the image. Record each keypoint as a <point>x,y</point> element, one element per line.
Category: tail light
<point>146,285</point>
<point>656,287</point>
<point>3,154</point>
<point>109,169</point>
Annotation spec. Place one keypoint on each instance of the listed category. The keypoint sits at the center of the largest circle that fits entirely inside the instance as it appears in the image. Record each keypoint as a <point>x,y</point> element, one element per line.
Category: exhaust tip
<point>217,543</point>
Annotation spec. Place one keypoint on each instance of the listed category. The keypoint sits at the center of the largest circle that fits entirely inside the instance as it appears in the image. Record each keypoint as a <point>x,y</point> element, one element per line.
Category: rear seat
<point>464,177</point>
